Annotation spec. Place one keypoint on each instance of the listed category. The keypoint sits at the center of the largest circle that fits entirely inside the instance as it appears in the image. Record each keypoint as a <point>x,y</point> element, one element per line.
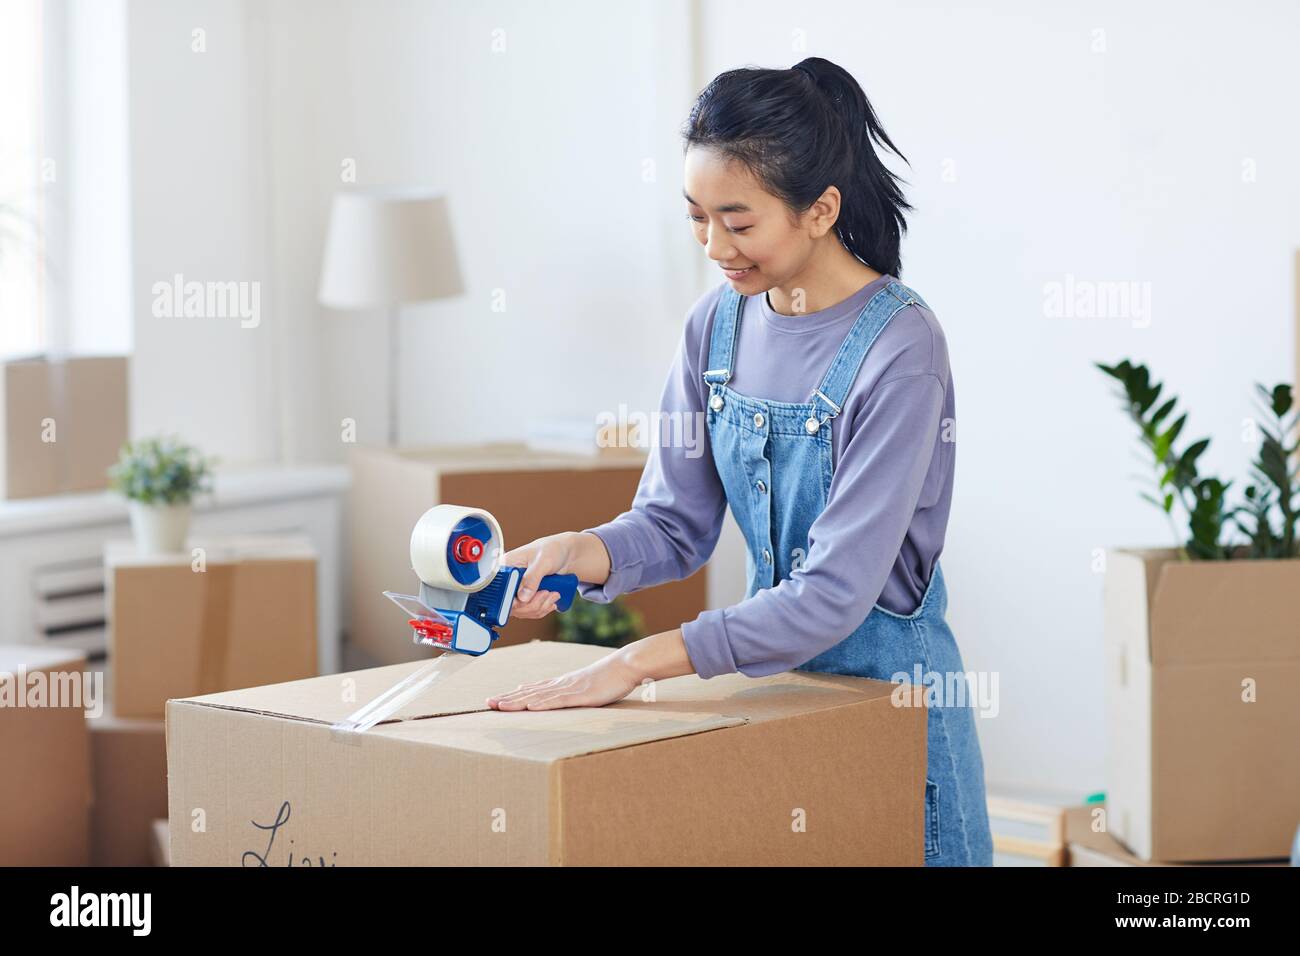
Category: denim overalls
<point>775,462</point>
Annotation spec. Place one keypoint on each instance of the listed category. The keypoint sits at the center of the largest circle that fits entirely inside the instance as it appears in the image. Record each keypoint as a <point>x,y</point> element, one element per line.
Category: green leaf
<point>1160,413</point>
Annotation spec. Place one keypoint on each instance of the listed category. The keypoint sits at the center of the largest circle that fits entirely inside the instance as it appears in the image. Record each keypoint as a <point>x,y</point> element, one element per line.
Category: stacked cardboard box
<point>45,791</point>
<point>129,773</point>
<point>159,853</point>
<point>62,423</point>
<point>792,769</point>
<point>1088,843</point>
<point>230,612</point>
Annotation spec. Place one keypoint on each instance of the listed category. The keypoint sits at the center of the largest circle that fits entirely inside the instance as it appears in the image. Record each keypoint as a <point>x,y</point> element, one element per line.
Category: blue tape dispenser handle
<point>565,585</point>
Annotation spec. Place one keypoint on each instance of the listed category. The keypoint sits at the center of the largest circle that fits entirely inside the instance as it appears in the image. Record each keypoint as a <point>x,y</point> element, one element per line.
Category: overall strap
<point>893,298</point>
<point>722,343</point>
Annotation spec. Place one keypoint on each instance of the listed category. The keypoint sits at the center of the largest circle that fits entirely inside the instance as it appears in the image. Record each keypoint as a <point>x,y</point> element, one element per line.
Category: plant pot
<point>159,529</point>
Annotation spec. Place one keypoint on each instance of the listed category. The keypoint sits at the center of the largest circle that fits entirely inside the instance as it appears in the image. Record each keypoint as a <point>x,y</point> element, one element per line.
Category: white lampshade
<point>387,247</point>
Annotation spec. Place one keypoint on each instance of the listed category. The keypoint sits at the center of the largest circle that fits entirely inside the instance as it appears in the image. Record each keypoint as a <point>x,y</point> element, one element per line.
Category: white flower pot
<point>159,529</point>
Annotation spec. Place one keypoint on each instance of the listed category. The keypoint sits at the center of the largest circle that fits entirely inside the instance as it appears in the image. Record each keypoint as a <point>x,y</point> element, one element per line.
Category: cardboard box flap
<point>550,735</point>
<point>757,699</point>
<point>1198,612</point>
<point>1235,610</point>
<point>679,706</point>
<point>465,689</point>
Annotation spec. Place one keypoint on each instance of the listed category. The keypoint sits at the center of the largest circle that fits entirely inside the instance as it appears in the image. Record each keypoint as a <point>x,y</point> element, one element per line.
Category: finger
<point>518,557</point>
<point>542,603</point>
<point>512,702</point>
<point>522,688</point>
<point>533,575</point>
<point>523,699</point>
<point>516,696</point>
<point>535,606</point>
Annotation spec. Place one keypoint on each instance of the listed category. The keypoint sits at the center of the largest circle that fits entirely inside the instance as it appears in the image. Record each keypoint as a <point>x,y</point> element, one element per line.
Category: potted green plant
<point>1270,500</point>
<point>608,625</point>
<point>159,478</point>
<point>1202,643</point>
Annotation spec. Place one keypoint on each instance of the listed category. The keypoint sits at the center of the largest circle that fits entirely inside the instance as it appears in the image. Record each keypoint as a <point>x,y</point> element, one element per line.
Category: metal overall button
<point>762,488</point>
<point>758,419</point>
<point>715,402</point>
<point>812,424</point>
<point>767,556</point>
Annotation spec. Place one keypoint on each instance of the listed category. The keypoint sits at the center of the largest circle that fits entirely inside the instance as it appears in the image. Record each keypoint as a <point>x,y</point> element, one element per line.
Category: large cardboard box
<point>1202,706</point>
<point>1089,844</point>
<point>158,846</point>
<point>44,758</point>
<point>796,768</point>
<point>530,493</point>
<point>247,618</point>
<point>62,423</point>
<point>129,765</point>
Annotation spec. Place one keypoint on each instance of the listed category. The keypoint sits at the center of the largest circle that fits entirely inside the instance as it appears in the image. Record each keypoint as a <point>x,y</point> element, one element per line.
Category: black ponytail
<point>802,130</point>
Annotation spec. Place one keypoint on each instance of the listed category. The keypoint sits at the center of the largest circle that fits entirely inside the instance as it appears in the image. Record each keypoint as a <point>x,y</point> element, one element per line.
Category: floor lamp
<point>387,248</point>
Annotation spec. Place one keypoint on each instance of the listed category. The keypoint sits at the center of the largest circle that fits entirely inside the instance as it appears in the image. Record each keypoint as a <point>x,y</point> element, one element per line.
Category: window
<point>21,259</point>
<point>64,185</point>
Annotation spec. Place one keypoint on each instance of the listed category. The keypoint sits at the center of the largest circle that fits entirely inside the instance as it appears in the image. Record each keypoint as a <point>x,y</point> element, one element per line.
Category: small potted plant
<point>607,625</point>
<point>160,477</point>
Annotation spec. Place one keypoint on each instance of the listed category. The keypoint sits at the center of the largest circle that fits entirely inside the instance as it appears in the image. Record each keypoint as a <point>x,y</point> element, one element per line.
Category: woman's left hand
<point>601,682</point>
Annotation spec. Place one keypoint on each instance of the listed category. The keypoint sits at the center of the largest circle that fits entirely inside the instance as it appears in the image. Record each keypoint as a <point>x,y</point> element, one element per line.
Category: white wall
<point>540,147</point>
<point>1117,165</point>
<point>100,304</point>
<point>198,172</point>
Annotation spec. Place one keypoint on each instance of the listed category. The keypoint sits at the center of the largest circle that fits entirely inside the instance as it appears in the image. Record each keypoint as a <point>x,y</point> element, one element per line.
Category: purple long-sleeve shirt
<point>882,529</point>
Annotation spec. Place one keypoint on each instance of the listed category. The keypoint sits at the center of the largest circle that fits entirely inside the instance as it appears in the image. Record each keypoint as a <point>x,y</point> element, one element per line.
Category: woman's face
<point>746,230</point>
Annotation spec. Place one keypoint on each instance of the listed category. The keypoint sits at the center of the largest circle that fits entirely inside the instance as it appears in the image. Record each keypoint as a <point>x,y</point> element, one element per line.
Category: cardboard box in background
<point>716,772</point>
<point>85,399</point>
<point>1088,847</point>
<point>129,764</point>
<point>530,493</point>
<point>248,619</point>
<point>160,854</point>
<point>1194,772</point>
<point>45,778</point>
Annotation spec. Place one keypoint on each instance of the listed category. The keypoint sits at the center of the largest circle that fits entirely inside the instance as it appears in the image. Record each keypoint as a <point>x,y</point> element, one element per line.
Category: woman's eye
<point>699,220</point>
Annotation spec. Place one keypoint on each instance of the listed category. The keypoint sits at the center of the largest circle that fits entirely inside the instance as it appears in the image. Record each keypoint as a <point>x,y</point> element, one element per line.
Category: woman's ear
<point>821,216</point>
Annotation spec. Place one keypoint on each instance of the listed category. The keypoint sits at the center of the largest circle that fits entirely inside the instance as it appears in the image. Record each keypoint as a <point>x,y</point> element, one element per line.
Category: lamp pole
<point>394,367</point>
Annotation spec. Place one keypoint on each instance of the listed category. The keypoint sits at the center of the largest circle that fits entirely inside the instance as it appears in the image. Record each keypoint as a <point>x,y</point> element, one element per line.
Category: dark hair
<point>801,130</point>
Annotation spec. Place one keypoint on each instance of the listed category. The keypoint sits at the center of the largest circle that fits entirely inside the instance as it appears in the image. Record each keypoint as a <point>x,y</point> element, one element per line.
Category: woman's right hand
<point>552,554</point>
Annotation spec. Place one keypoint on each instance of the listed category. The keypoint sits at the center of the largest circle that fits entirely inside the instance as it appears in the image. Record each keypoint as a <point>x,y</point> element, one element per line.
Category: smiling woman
<point>825,387</point>
<point>801,143</point>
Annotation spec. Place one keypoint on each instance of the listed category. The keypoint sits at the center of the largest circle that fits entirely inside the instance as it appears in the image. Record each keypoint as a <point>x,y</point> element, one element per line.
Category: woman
<point>825,389</point>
